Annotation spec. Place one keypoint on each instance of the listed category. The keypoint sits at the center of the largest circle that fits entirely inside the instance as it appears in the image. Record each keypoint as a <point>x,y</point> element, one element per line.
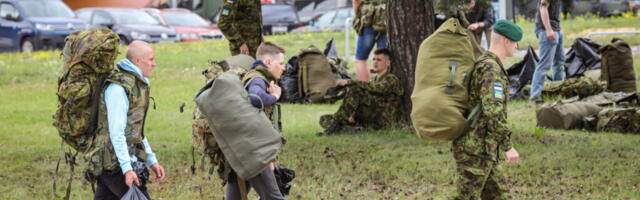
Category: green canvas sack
<point>203,140</point>
<point>315,74</point>
<point>244,133</point>
<point>560,115</point>
<point>617,66</point>
<point>445,62</point>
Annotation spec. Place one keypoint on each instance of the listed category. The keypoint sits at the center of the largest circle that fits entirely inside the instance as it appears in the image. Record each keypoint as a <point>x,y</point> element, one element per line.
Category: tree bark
<point>409,22</point>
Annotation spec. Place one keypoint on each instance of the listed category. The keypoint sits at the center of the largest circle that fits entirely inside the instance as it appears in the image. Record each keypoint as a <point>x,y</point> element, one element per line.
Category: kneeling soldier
<point>372,104</point>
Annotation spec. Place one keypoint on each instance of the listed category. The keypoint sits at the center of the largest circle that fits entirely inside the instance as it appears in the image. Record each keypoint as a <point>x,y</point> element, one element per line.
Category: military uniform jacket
<point>386,92</point>
<point>102,156</point>
<point>487,88</point>
<point>371,13</point>
<point>241,21</point>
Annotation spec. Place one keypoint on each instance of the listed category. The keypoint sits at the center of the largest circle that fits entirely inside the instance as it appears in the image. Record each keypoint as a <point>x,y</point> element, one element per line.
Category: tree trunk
<point>409,22</point>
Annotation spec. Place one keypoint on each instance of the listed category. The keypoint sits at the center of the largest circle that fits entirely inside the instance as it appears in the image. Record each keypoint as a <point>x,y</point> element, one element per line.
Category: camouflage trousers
<point>234,46</point>
<point>360,104</point>
<point>479,178</point>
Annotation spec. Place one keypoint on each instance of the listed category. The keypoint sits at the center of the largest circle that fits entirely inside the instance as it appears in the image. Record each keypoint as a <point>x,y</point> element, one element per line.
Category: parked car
<point>30,25</point>
<point>634,5</point>
<point>279,18</point>
<point>604,8</point>
<point>130,24</point>
<point>189,25</point>
<point>314,9</point>
<point>330,21</point>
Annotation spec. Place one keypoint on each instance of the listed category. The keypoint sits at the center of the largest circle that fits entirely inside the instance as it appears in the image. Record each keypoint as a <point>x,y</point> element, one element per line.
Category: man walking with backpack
<point>477,153</point>
<point>261,84</point>
<point>125,152</point>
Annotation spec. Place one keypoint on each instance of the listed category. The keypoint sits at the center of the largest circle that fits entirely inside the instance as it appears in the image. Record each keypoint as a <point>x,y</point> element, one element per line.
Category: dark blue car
<point>30,25</point>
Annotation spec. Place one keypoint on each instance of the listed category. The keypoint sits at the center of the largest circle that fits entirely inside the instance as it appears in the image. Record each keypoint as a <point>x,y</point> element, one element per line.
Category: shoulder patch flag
<point>498,91</point>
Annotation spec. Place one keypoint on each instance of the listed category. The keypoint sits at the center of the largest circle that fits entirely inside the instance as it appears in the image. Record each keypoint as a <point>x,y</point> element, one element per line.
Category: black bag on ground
<point>283,177</point>
<point>617,66</point>
<point>134,194</point>
<point>521,73</point>
<point>583,55</point>
<point>289,83</point>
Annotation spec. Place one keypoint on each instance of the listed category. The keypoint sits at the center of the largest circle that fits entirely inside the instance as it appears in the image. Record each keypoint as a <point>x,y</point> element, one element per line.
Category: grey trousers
<point>264,184</point>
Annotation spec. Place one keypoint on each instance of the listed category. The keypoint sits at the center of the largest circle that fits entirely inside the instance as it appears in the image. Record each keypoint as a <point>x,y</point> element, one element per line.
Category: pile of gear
<point>600,93</point>
<point>311,76</point>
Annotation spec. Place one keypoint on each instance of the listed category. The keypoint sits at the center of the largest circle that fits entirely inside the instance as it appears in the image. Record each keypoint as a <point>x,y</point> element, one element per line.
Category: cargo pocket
<point>72,117</point>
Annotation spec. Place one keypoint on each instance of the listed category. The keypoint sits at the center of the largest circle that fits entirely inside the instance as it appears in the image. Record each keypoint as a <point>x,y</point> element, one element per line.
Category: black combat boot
<point>334,127</point>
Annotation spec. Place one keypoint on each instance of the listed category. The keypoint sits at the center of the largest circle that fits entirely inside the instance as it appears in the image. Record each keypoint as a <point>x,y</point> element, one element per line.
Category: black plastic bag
<point>583,55</point>
<point>283,177</point>
<point>521,73</point>
<point>289,83</point>
<point>134,194</point>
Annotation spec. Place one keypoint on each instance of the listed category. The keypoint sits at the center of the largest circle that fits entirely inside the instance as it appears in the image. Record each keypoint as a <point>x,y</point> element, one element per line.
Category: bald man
<point>120,133</point>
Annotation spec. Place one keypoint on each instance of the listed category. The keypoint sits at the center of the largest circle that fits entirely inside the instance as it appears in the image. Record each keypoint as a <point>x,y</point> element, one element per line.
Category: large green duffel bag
<point>617,66</point>
<point>566,116</point>
<point>315,74</point>
<point>243,132</point>
<point>445,61</point>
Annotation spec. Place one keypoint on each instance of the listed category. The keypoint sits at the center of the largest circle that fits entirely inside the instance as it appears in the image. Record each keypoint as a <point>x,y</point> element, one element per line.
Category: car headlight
<point>189,36</point>
<point>44,27</point>
<point>139,36</point>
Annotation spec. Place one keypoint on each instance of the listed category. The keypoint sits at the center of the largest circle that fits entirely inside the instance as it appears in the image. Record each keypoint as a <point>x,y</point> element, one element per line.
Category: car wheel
<point>27,45</point>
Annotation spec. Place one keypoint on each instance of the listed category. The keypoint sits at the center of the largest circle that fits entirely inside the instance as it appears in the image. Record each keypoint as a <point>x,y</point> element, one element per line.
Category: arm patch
<point>498,91</point>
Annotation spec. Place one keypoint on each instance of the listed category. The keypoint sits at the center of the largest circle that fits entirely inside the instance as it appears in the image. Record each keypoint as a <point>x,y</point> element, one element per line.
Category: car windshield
<point>45,9</point>
<point>278,14</point>
<point>184,19</point>
<point>326,19</point>
<point>133,17</point>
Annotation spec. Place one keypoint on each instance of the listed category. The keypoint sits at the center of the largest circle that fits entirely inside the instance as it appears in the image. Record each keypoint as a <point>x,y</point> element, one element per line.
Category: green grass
<point>390,164</point>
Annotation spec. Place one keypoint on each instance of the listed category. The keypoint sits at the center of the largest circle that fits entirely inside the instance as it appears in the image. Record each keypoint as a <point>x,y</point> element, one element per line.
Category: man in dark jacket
<point>481,18</point>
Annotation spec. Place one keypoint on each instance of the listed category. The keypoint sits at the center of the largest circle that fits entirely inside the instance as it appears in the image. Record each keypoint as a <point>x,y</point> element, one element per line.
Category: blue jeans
<point>551,55</point>
<point>366,40</point>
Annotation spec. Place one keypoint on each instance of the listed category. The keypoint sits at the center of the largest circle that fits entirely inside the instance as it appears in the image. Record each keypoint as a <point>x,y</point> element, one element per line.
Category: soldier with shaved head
<point>126,153</point>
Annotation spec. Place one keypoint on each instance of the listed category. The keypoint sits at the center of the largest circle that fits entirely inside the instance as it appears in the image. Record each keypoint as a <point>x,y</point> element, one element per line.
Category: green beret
<point>508,29</point>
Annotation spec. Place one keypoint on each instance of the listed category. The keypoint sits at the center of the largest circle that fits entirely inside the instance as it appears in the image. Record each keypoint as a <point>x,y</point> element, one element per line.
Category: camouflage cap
<point>508,29</point>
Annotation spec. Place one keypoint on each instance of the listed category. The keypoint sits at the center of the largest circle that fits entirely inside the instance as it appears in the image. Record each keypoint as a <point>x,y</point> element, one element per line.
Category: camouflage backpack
<point>204,142</point>
<point>88,59</point>
<point>578,86</point>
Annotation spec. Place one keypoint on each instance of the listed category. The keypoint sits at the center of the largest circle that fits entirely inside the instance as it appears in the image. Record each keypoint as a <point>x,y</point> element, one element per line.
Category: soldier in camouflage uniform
<point>123,153</point>
<point>368,104</point>
<point>241,23</point>
<point>477,153</point>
